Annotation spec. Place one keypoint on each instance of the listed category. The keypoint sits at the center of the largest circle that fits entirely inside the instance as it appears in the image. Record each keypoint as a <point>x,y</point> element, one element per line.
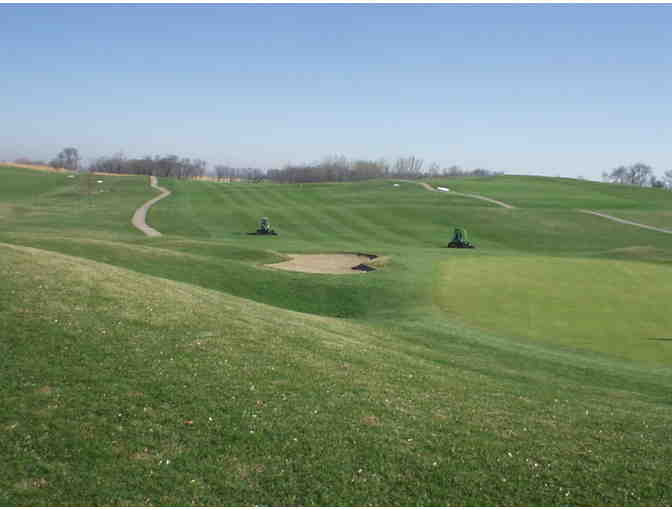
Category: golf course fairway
<point>185,370</point>
<point>616,307</point>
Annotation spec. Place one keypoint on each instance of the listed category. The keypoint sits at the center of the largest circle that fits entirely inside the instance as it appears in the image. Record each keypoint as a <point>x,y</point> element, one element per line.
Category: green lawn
<point>534,370</point>
<point>32,202</point>
<point>616,307</point>
<point>560,193</point>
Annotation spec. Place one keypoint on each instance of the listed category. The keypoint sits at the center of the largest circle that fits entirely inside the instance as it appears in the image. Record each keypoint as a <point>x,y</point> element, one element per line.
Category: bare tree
<point>452,171</point>
<point>667,179</point>
<point>68,158</point>
<point>434,169</point>
<point>223,172</point>
<point>115,164</point>
<point>410,167</point>
<point>654,182</point>
<point>638,174</point>
<point>333,168</point>
<point>366,169</point>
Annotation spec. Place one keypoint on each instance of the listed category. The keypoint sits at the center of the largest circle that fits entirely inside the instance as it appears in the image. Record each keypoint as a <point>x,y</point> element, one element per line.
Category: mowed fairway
<point>179,370</point>
<point>616,307</point>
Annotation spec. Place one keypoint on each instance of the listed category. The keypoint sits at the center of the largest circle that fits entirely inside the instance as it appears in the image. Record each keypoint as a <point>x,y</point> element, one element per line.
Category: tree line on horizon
<point>336,168</point>
<point>330,169</point>
<point>341,169</point>
<point>638,174</point>
<point>158,166</point>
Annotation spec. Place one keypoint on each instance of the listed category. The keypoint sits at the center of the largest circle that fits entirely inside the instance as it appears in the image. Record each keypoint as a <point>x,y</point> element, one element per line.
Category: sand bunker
<point>330,263</point>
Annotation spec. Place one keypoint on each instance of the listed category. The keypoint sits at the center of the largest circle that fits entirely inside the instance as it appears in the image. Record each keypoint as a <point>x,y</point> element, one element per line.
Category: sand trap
<point>330,263</point>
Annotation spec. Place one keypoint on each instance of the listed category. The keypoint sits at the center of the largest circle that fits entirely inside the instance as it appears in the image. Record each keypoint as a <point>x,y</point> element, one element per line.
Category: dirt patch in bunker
<point>327,263</point>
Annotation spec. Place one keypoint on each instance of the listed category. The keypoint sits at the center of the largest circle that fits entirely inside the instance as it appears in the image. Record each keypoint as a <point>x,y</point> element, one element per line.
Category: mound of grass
<point>241,272</point>
<point>131,390</point>
<point>35,201</point>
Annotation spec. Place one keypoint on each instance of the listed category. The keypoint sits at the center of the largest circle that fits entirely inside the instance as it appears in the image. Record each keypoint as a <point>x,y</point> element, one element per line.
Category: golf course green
<point>534,370</point>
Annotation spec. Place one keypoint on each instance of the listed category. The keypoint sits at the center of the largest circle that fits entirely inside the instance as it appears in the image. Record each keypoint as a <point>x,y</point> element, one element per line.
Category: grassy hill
<point>534,370</point>
<point>560,193</point>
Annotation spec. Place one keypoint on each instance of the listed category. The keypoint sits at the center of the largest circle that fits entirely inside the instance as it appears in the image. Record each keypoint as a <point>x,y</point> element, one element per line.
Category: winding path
<point>627,222</point>
<point>140,216</point>
<point>509,206</point>
<point>469,195</point>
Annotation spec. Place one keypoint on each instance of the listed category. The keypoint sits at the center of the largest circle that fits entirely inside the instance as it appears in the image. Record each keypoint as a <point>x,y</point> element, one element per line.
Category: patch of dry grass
<point>43,168</point>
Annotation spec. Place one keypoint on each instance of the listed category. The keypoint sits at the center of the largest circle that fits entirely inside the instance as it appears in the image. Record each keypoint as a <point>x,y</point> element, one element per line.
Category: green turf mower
<point>264,229</point>
<point>460,239</point>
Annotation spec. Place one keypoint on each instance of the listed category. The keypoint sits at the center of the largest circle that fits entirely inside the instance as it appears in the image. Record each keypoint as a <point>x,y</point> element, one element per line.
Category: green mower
<point>460,239</point>
<point>264,229</point>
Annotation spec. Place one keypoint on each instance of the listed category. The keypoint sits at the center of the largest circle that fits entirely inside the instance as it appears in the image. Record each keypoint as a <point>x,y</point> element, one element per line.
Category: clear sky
<point>531,89</point>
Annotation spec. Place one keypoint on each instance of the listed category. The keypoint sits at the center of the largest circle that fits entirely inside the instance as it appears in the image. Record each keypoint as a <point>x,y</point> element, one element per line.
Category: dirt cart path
<point>140,216</point>
<point>627,222</point>
<point>479,197</point>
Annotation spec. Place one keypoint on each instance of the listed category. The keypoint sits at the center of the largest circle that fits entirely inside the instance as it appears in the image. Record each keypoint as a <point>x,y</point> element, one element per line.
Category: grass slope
<point>37,202</point>
<point>143,391</point>
<point>661,218</point>
<point>177,371</point>
<point>560,193</point>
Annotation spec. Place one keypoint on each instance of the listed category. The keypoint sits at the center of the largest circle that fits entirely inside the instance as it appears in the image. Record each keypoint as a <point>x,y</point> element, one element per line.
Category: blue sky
<point>532,89</point>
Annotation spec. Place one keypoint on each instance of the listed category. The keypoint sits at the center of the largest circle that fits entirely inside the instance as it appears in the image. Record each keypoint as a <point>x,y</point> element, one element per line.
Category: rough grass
<point>132,390</point>
<point>42,168</point>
